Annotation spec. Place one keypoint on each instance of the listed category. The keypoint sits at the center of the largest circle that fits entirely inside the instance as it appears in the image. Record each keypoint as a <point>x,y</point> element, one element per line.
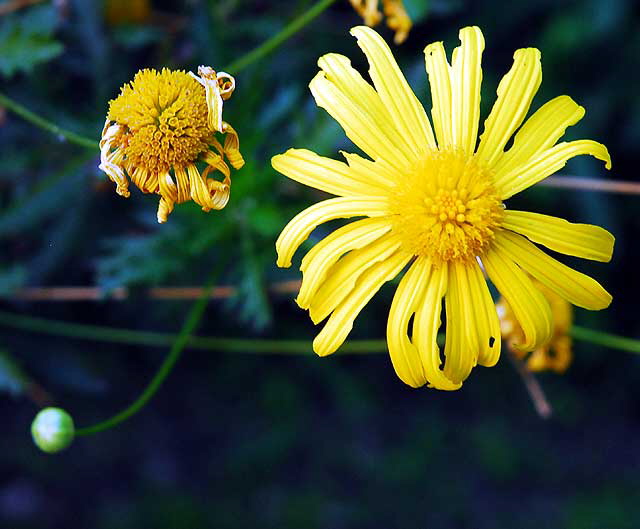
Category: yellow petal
<point>407,112</point>
<point>339,325</point>
<point>358,123</point>
<point>404,355</point>
<point>322,173</point>
<point>379,174</point>
<point>440,84</point>
<point>301,226</point>
<point>425,329</point>
<point>146,181</point>
<point>220,192</point>
<point>323,255</point>
<point>529,306</point>
<point>342,276</point>
<point>183,184</point>
<point>169,193</point>
<point>484,316</point>
<point>466,79</point>
<point>209,79</point>
<point>199,189</point>
<point>338,70</point>
<point>232,146</point>
<point>581,240</point>
<point>575,287</point>
<point>545,164</point>
<point>540,132</point>
<point>515,92</point>
<point>216,162</point>
<point>461,345</point>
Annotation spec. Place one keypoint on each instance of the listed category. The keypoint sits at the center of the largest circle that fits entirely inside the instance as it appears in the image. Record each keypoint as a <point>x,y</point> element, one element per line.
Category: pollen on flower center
<point>163,116</point>
<point>446,207</point>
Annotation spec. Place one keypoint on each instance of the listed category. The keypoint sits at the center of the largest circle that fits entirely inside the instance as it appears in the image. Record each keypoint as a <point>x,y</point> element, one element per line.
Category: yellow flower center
<point>164,120</point>
<point>446,207</point>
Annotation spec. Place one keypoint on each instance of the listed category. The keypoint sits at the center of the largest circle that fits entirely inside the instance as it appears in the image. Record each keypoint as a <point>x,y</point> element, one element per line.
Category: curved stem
<point>192,321</point>
<point>285,33</point>
<point>36,120</point>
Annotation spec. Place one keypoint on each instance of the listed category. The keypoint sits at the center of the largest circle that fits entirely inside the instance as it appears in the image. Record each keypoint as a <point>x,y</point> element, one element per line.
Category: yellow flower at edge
<point>434,201</point>
<point>127,11</point>
<point>397,18</point>
<point>160,126</point>
<point>555,355</point>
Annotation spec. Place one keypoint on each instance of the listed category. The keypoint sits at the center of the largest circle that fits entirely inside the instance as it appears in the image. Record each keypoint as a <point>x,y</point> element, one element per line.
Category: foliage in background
<point>308,442</point>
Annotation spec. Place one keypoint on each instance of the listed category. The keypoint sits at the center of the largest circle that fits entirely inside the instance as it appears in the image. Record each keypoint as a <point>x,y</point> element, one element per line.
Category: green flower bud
<point>52,430</point>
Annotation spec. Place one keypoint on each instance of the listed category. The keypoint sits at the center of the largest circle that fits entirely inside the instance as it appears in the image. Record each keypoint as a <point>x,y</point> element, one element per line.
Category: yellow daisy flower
<point>556,354</point>
<point>434,201</point>
<point>165,122</point>
<point>397,18</point>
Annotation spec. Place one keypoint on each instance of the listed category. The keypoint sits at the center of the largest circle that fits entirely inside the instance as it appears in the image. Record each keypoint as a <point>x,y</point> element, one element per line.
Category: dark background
<point>245,440</point>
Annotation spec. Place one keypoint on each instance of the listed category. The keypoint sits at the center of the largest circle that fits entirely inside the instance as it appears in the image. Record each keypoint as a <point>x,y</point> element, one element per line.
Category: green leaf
<point>48,197</point>
<point>26,40</point>
<point>251,302</point>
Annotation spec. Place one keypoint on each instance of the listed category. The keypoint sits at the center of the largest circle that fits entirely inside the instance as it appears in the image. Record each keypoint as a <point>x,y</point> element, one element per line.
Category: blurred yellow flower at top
<point>433,202</point>
<point>397,18</point>
<point>160,126</point>
<point>556,354</point>
<point>127,11</point>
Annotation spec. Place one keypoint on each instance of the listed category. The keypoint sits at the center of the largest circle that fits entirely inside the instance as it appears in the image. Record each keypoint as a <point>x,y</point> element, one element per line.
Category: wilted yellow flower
<point>397,18</point>
<point>556,354</point>
<point>435,202</point>
<point>160,126</point>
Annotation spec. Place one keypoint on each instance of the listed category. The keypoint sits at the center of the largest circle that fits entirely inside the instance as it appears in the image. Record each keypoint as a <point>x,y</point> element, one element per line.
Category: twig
<point>15,5</point>
<point>122,293</point>
<point>533,387</point>
<point>592,184</point>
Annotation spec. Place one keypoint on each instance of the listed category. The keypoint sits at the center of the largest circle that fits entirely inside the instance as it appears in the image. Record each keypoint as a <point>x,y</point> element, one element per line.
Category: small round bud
<point>52,430</point>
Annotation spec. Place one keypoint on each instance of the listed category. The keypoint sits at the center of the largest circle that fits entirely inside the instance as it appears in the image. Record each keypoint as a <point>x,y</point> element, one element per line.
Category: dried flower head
<point>160,127</point>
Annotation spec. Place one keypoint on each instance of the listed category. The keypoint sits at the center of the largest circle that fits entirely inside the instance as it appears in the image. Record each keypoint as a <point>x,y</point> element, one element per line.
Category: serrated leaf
<point>26,40</point>
<point>137,260</point>
<point>251,301</point>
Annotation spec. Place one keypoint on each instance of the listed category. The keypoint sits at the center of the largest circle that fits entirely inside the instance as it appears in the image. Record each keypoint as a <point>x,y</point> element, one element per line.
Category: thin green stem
<point>271,44</point>
<point>611,341</point>
<point>243,345</point>
<point>159,339</point>
<point>36,120</point>
<point>190,324</point>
